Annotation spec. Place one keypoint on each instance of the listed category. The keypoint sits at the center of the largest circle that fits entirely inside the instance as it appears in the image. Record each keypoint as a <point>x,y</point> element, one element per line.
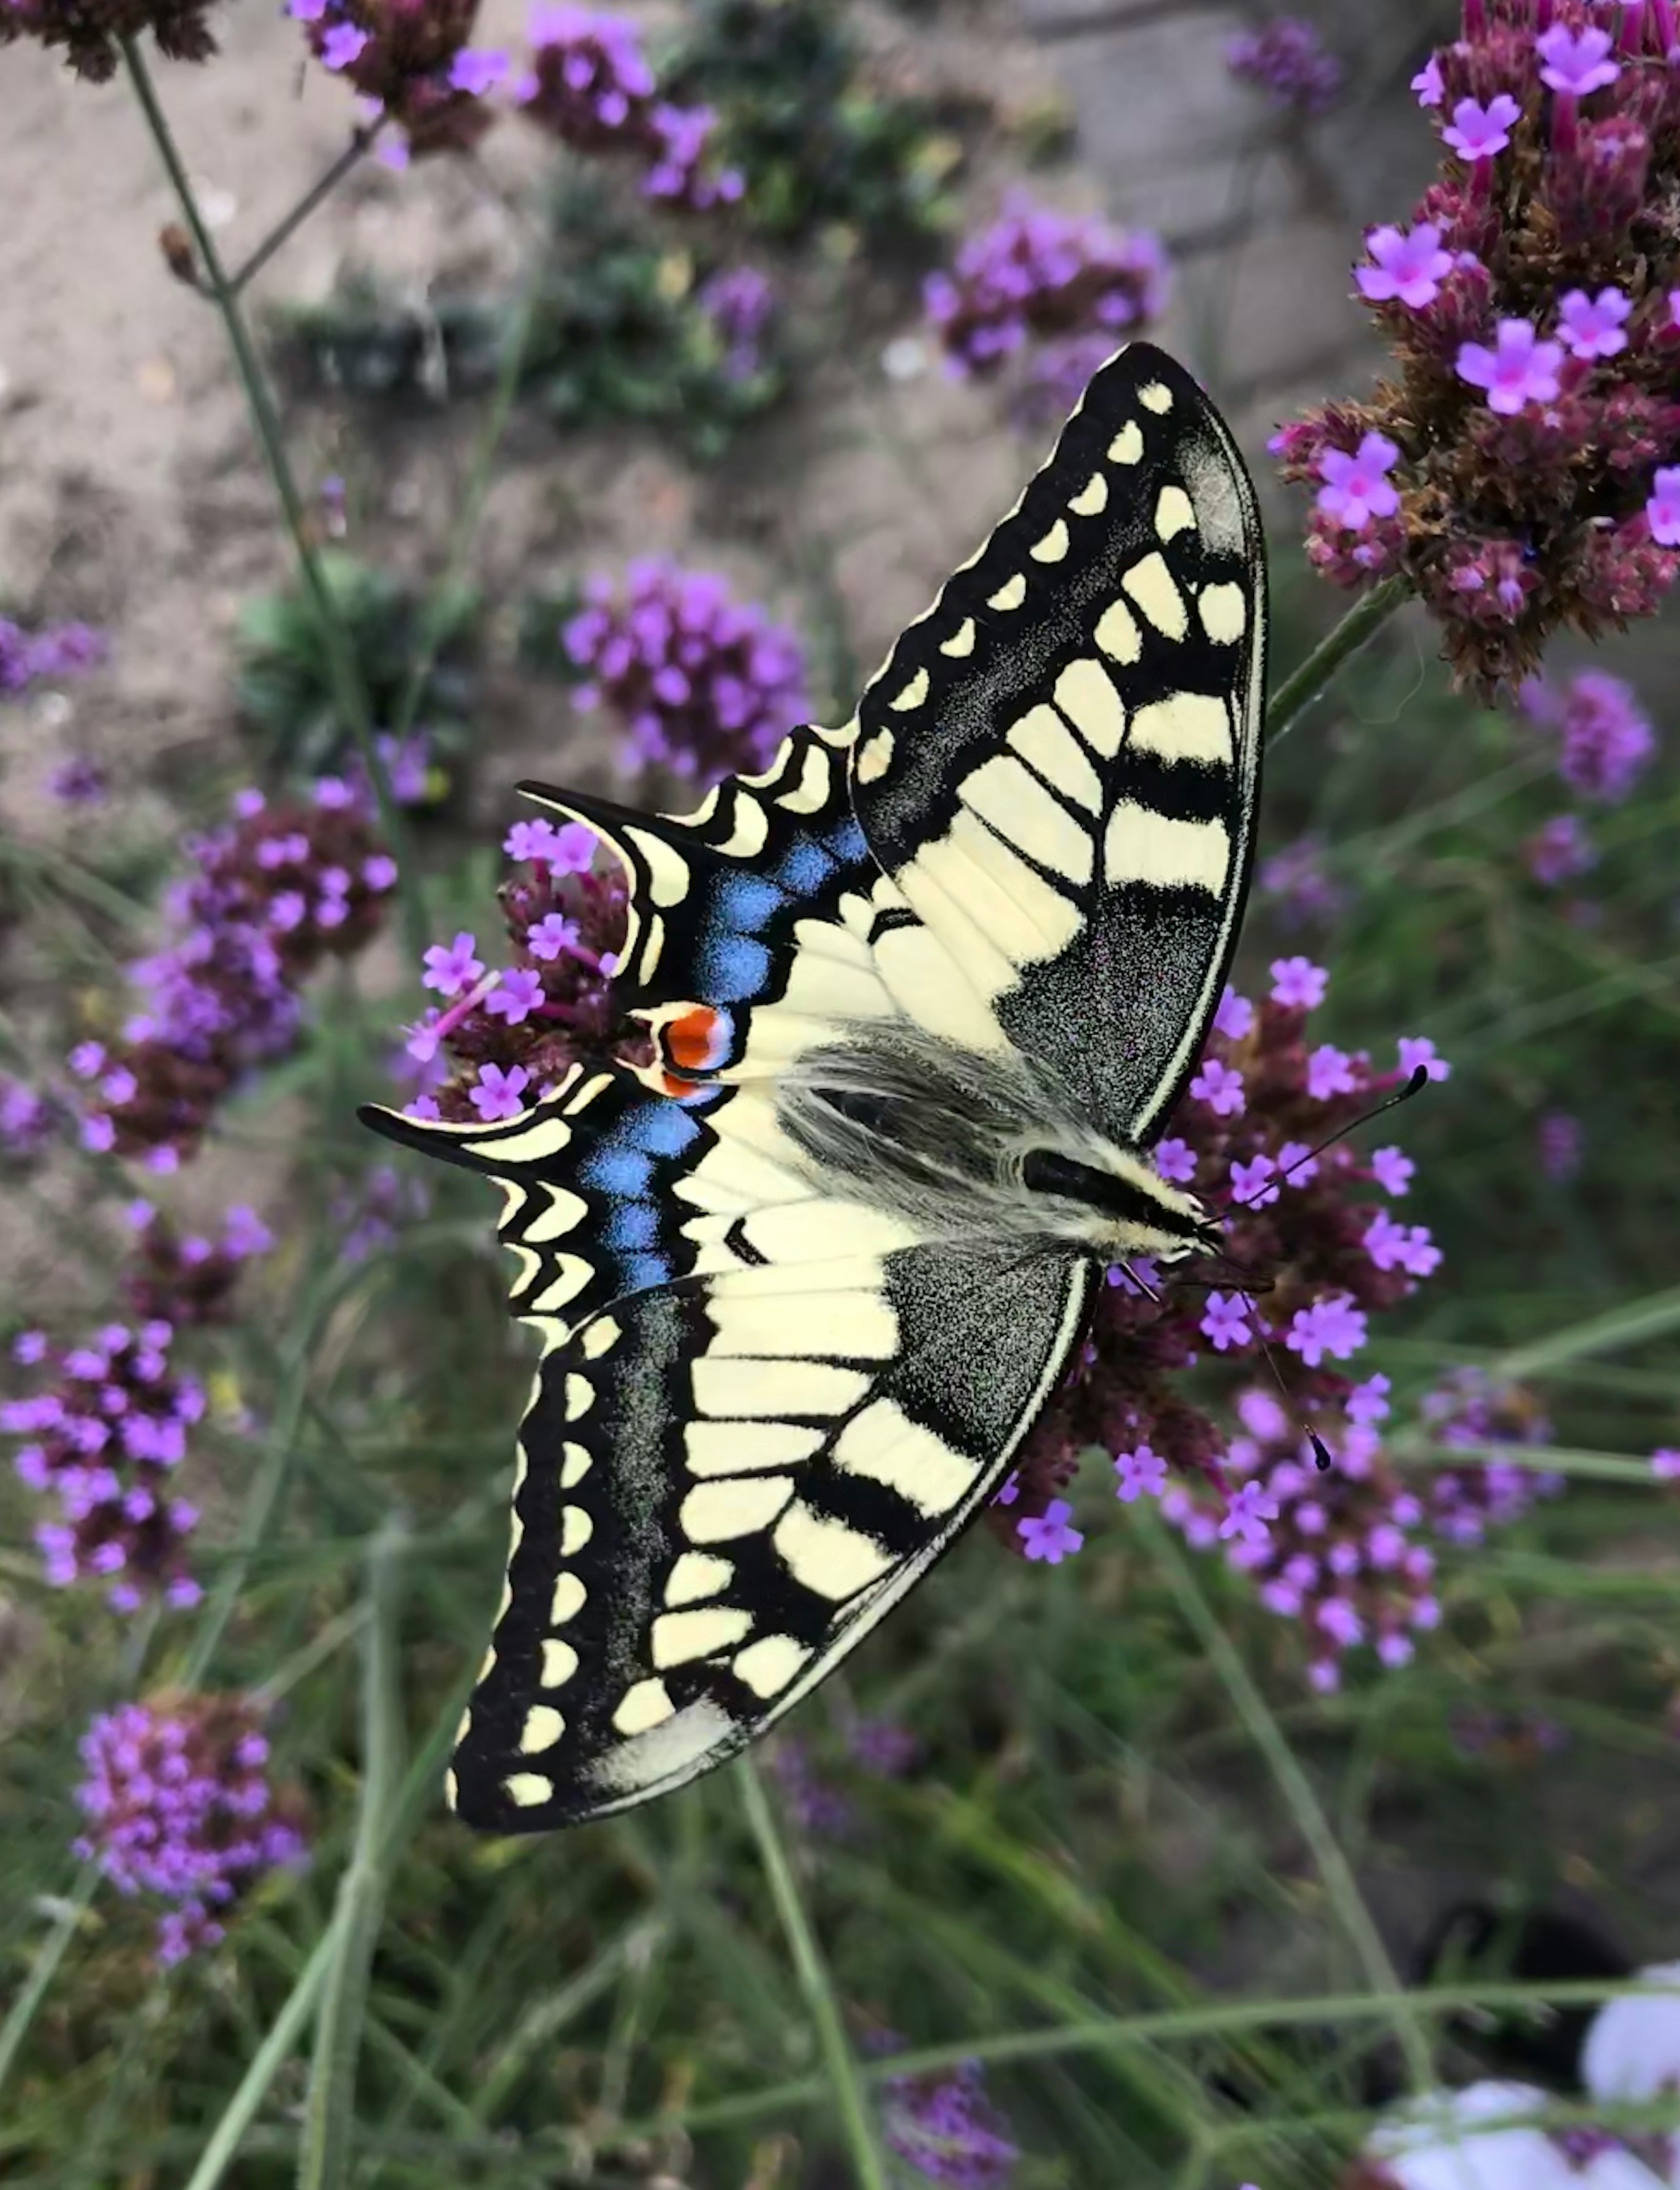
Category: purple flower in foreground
<point>1408,264</point>
<point>477,70</point>
<point>1662,510</point>
<point>1224,1322</point>
<point>1219,1087</point>
<point>1592,326</point>
<point>178,1804</point>
<point>1478,132</point>
<point>1577,62</point>
<point>1047,1536</point>
<point>1298,983</point>
<point>1417,1050</point>
<point>1519,370</point>
<point>451,968</point>
<point>1140,1474</point>
<point>498,1092</point>
<point>1357,488</point>
<point>516,995</point>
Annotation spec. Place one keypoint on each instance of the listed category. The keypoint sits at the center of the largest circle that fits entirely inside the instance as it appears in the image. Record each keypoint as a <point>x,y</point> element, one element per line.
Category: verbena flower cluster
<point>411,66</point>
<point>1299,886</point>
<point>178,1804</point>
<point>879,1747</point>
<point>503,1035</point>
<point>1470,1408</point>
<point>705,684</point>
<point>1335,1551</point>
<point>1040,275</point>
<point>88,30</point>
<point>27,1119</point>
<point>1523,471</point>
<point>279,889</point>
<point>371,1214</point>
<point>104,1438</point>
<point>740,303</point>
<point>1287,59</point>
<point>591,86</point>
<point>188,1279</point>
<point>947,2128</point>
<point>1604,741</point>
<point>59,649</point>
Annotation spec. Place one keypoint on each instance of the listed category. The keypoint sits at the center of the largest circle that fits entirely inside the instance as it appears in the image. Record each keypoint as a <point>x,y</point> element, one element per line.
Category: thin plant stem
<point>510,368</point>
<point>841,2069</point>
<point>1053,2041</point>
<point>329,2110</point>
<point>1296,1789</point>
<point>264,1496</point>
<point>45,1966</point>
<point>361,142</point>
<point>1327,659</point>
<point>350,693</point>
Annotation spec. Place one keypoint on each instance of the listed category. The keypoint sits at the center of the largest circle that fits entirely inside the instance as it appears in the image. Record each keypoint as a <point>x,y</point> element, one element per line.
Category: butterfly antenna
<point>1416,1085</point>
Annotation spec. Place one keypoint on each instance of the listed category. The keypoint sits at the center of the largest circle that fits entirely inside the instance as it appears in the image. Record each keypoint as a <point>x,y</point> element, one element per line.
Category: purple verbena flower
<point>1288,58</point>
<point>1048,1536</point>
<point>178,1805</point>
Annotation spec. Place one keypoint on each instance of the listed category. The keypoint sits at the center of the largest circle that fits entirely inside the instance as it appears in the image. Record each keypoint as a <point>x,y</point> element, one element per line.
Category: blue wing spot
<point>732,967</point>
<point>748,901</point>
<point>805,867</point>
<point>631,1224</point>
<point>849,843</point>
<point>642,1272</point>
<point>617,1171</point>
<point>662,1129</point>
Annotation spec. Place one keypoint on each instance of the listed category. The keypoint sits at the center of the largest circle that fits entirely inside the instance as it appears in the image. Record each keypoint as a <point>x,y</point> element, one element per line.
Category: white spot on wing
<point>575,1530</point>
<point>1010,594</point>
<point>1223,610</point>
<point>739,1505</point>
<point>678,1637</point>
<point>1152,586</point>
<point>962,640</point>
<point>569,1600</point>
<point>1093,498</point>
<point>528,1789</point>
<point>644,1706</point>
<point>827,1556</point>
<point>1054,546</point>
<point>1155,398</point>
<point>1023,812</point>
<point>913,694</point>
<point>884,1444</point>
<point>1189,726</point>
<point>1085,692</point>
<point>1173,514</point>
<point>770,1664</point>
<point>1142,846</point>
<point>543,1727</point>
<point>1128,445</point>
<point>697,1575</point>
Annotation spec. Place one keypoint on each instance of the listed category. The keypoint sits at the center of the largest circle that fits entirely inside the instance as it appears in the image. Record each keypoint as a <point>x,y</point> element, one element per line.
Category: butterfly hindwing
<point>1057,764</point>
<point>725,1484</point>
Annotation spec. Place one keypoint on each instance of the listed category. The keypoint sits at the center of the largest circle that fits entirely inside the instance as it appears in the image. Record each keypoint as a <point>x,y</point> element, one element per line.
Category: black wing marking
<point>1057,765</point>
<point>724,1484</point>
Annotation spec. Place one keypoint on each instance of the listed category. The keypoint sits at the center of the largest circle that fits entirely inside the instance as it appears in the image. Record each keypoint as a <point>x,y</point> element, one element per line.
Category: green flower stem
<point>1313,1826</point>
<point>510,366</point>
<point>1297,693</point>
<point>284,229</point>
<point>844,2083</point>
<point>1055,2041</point>
<point>350,693</point>
<point>324,2158</point>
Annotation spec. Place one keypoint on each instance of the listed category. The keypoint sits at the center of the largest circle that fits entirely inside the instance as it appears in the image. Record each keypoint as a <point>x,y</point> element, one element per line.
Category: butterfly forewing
<point>1057,764</point>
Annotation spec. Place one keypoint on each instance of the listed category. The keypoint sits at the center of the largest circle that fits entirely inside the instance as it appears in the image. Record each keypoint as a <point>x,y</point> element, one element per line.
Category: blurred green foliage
<point>820,146</point>
<point>284,692</point>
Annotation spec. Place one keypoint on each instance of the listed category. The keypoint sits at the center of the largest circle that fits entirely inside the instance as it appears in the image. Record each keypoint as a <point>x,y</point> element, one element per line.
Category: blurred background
<point>1106,1863</point>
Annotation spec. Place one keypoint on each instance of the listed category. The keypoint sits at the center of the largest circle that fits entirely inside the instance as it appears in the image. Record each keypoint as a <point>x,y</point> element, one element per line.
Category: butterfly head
<point>1114,1201</point>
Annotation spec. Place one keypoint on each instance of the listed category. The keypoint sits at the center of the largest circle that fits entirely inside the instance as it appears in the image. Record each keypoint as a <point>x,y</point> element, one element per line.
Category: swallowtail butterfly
<point>922,996</point>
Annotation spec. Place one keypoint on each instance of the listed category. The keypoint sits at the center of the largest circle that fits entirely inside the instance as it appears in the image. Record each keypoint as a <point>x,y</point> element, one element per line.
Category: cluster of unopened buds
<point>178,1804</point>
<point>1055,278</point>
<point>1523,472</point>
<point>281,888</point>
<point>1333,1549</point>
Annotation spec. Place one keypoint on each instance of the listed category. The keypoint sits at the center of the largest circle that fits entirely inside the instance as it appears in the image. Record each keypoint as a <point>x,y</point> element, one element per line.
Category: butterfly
<point>919,999</point>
